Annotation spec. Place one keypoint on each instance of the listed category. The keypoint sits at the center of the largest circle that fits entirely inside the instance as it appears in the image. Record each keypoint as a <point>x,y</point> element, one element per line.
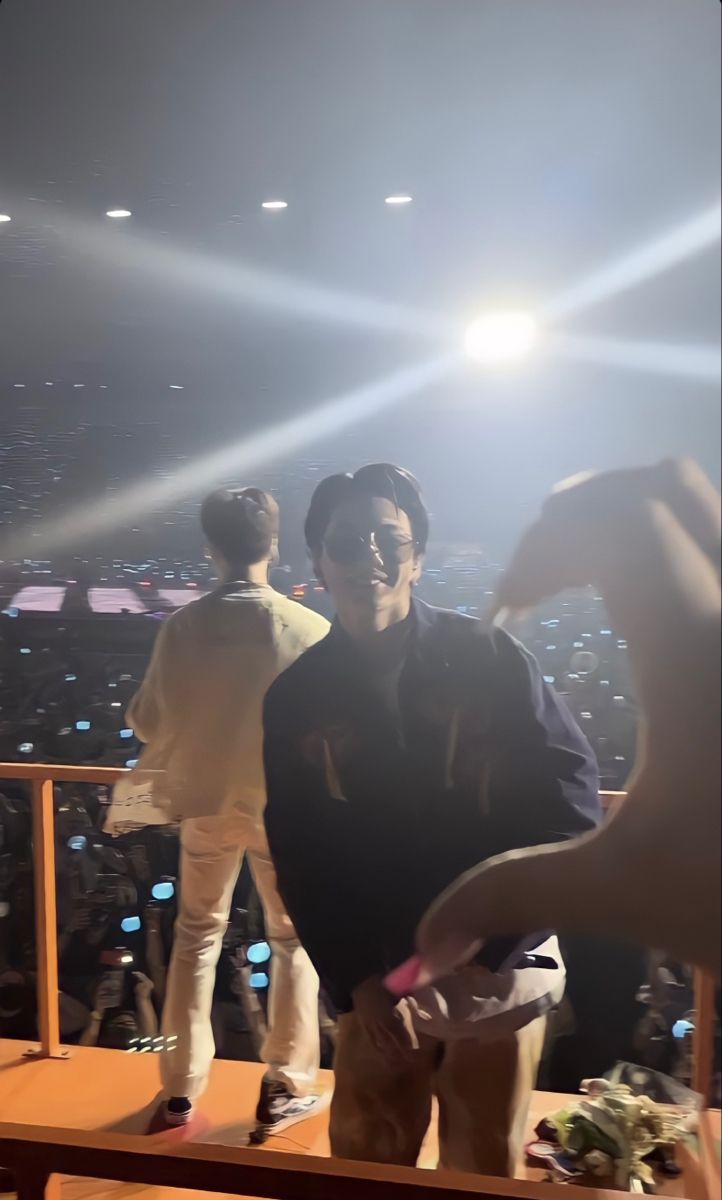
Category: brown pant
<point>381,1106</point>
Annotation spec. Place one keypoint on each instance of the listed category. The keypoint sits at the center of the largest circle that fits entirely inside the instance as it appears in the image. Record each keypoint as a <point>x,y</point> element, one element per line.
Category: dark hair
<point>377,479</point>
<point>241,524</point>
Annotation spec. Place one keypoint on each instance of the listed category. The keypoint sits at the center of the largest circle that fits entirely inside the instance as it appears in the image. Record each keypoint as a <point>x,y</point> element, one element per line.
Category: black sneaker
<point>178,1111</point>
<point>278,1109</point>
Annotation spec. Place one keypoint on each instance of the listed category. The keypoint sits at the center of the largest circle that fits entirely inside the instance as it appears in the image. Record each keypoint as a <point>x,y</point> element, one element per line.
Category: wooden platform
<point>115,1092</point>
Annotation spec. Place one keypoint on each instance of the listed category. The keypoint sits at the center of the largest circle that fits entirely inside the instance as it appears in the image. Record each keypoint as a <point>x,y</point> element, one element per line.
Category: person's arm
<point>147,1019</point>
<point>542,785</point>
<point>143,715</point>
<point>649,540</point>
<point>544,779</point>
<point>108,994</point>
<point>91,1033</point>
<point>79,921</point>
<point>328,900</point>
<point>154,953</point>
<point>326,904</point>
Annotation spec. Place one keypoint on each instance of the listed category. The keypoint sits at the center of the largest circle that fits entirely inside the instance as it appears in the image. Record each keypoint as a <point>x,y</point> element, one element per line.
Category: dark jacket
<point>374,808</point>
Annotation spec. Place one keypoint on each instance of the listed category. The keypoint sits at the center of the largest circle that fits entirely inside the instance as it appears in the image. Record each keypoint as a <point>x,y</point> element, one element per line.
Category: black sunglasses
<point>348,548</point>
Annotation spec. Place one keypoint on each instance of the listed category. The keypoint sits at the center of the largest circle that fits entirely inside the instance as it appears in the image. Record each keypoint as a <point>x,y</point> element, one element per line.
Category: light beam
<point>242,458</point>
<point>195,272</point>
<point>650,260</point>
<point>702,363</point>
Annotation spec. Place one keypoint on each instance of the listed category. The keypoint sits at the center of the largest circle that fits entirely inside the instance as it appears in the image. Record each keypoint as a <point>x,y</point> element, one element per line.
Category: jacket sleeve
<point>330,915</point>
<point>144,712</point>
<point>545,782</point>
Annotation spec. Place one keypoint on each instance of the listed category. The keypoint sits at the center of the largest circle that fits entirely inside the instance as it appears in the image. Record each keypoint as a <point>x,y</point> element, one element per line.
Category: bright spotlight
<point>274,205</point>
<point>501,337</point>
<point>117,213</point>
<point>398,199</point>
<point>5,217</point>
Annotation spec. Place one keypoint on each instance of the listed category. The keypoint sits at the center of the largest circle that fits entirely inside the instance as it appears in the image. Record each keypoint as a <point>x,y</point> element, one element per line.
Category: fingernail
<point>410,976</point>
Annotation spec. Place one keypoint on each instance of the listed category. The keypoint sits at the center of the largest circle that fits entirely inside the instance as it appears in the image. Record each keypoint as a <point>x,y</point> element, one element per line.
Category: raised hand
<point>649,539</point>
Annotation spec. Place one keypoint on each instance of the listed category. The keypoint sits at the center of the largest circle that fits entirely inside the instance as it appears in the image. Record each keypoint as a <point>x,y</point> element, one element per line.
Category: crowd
<point>56,457</point>
<point>66,683</point>
<point>116,910</point>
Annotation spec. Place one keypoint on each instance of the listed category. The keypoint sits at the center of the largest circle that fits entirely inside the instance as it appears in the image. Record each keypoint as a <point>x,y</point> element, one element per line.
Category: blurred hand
<point>152,918</point>
<point>593,526</point>
<point>106,993</point>
<point>79,921</point>
<point>385,1021</point>
<point>143,986</point>
<point>649,540</point>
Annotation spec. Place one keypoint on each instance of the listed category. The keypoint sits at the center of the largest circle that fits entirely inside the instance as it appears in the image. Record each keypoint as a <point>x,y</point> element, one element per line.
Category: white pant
<point>212,851</point>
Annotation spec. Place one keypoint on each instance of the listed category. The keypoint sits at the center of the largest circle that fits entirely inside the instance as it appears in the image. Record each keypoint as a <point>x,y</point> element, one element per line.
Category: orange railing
<point>37,1157</point>
<point>42,776</point>
<point>41,779</point>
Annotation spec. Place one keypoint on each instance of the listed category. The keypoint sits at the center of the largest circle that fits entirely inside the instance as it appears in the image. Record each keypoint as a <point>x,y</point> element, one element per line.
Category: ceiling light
<point>77,385</point>
<point>401,199</point>
<point>48,383</point>
<point>501,337</point>
<point>18,385</point>
<point>5,217</point>
<point>274,204</point>
<point>116,213</point>
<point>176,387</point>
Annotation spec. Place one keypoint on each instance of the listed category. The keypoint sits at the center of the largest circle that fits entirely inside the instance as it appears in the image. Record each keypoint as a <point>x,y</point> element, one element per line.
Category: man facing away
<point>199,711</point>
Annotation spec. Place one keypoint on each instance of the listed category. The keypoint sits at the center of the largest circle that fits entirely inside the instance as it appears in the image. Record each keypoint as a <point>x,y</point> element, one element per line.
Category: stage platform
<point>114,1092</point>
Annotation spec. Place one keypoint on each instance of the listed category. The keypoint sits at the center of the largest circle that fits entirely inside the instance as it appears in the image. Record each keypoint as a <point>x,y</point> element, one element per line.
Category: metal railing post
<point>38,1184</point>
<point>704,1029</point>
<point>46,933</point>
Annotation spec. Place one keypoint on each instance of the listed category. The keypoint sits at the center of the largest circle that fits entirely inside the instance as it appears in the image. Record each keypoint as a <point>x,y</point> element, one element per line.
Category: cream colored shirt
<point>200,707</point>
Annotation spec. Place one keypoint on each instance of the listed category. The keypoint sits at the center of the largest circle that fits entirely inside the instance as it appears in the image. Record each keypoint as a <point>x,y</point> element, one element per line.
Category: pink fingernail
<point>406,978</point>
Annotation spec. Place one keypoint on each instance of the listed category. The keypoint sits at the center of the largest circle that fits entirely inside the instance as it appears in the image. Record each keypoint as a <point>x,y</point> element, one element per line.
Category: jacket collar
<point>423,618</point>
<point>239,585</point>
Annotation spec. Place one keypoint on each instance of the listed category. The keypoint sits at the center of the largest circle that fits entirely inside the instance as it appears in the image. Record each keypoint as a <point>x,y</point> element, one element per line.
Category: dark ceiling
<point>538,138</point>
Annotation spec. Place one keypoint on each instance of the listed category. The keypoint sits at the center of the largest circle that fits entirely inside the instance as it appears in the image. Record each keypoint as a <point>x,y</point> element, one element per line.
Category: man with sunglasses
<point>402,750</point>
